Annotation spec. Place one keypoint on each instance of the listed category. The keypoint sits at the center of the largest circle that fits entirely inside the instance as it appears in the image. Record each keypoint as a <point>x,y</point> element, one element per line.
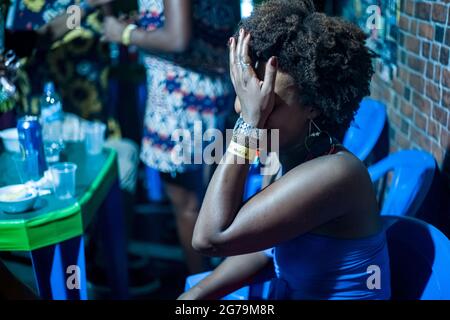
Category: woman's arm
<point>302,200</point>
<point>57,28</point>
<point>232,274</point>
<point>174,36</point>
<point>305,198</point>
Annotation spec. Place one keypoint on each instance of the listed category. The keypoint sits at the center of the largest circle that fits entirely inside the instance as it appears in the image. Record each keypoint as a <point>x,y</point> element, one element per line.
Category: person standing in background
<point>188,85</point>
<point>75,60</point>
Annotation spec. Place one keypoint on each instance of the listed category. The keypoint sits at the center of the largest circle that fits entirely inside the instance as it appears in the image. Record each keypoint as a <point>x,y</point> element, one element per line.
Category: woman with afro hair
<point>318,226</point>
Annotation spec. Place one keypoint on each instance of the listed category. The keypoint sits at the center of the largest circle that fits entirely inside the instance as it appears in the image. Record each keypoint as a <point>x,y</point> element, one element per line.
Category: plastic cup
<point>94,135</point>
<point>27,166</point>
<point>63,179</point>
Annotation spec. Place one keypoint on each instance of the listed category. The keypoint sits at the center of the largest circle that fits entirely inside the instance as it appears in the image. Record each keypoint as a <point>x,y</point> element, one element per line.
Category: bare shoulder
<point>339,167</point>
<point>345,164</point>
<point>340,180</point>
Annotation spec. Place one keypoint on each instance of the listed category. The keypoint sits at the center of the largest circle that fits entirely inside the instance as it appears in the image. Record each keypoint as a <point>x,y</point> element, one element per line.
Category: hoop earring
<point>315,135</point>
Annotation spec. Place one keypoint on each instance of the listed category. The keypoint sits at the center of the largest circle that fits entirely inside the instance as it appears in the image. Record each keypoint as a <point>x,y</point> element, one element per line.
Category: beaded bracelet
<point>242,128</point>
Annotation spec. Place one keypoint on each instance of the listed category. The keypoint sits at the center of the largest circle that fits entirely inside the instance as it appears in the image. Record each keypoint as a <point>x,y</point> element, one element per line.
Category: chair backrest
<point>413,173</point>
<point>366,128</point>
<point>240,294</point>
<point>254,181</point>
<point>155,189</point>
<point>419,259</point>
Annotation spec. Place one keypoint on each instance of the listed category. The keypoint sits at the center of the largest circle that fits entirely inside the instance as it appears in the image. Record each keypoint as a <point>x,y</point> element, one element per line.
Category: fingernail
<point>230,41</point>
<point>241,31</point>
<point>274,62</point>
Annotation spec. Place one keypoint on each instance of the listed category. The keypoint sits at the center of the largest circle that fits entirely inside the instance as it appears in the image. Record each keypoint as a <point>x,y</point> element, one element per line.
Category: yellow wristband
<point>126,34</point>
<point>242,151</point>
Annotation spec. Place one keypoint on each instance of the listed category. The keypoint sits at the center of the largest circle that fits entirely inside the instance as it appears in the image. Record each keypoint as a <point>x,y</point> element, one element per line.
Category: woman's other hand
<point>113,29</point>
<point>256,96</point>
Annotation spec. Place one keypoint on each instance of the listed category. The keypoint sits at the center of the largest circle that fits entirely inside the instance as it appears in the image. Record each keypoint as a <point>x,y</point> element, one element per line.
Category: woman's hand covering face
<point>113,29</point>
<point>256,96</point>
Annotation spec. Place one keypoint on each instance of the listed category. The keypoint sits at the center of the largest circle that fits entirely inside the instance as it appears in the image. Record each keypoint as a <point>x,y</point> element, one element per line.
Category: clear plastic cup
<point>27,166</point>
<point>94,135</point>
<point>63,179</point>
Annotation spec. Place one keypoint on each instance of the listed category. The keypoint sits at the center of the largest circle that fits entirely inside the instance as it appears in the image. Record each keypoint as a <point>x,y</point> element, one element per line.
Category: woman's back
<point>318,267</point>
<point>335,260</point>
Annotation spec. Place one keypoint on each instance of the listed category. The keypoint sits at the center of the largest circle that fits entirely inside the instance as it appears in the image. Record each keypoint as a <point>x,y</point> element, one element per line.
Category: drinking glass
<point>94,135</point>
<point>64,179</point>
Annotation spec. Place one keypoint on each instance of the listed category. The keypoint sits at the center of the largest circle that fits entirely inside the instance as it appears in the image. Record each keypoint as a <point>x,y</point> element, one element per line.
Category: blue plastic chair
<point>240,294</point>
<point>155,189</point>
<point>413,173</point>
<point>419,262</point>
<point>419,259</point>
<point>254,181</point>
<point>255,291</point>
<point>365,130</point>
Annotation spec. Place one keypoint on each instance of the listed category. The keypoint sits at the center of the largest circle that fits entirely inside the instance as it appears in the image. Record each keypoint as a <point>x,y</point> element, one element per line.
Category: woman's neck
<point>299,153</point>
<point>293,156</point>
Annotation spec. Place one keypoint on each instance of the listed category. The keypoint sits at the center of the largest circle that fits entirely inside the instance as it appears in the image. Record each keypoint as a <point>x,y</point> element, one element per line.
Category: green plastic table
<point>53,231</point>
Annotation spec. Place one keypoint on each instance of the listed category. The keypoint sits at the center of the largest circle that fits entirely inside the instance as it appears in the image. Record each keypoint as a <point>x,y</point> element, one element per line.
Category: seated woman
<point>305,74</point>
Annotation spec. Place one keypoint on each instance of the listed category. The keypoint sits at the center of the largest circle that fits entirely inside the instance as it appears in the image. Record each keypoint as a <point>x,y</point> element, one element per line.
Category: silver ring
<point>244,64</point>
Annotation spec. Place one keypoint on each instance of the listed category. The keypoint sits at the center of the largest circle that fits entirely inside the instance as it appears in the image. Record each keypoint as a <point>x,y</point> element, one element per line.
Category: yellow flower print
<point>114,129</point>
<point>23,82</point>
<point>104,76</point>
<point>77,41</point>
<point>93,21</point>
<point>84,94</point>
<point>34,106</point>
<point>34,5</point>
<point>78,33</point>
<point>82,43</point>
<point>60,67</point>
<point>7,105</point>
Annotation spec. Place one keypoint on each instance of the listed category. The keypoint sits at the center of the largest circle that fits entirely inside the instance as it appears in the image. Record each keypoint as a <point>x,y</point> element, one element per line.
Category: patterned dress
<point>189,90</point>
<point>78,64</point>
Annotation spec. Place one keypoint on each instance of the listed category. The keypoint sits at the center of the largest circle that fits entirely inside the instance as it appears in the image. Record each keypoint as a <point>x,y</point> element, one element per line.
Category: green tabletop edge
<point>57,226</point>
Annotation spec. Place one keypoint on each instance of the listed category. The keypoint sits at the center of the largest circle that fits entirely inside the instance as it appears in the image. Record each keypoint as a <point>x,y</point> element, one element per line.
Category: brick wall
<point>418,95</point>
